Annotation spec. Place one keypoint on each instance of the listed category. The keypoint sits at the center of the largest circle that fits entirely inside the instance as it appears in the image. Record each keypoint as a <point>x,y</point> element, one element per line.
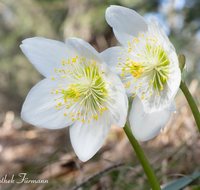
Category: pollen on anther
<point>52,78</point>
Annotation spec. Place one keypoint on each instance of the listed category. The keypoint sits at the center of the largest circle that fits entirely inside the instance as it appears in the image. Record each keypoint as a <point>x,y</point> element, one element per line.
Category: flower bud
<point>181,59</point>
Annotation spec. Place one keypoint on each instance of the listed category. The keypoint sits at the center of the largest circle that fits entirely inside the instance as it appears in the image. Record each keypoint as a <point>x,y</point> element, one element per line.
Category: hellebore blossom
<point>79,91</point>
<point>148,66</point>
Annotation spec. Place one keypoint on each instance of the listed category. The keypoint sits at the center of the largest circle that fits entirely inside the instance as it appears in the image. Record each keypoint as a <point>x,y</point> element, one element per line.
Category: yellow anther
<point>60,86</point>
<point>122,74</point>
<point>72,112</point>
<point>51,92</point>
<point>58,109</point>
<point>151,55</point>
<point>83,120</point>
<point>124,50</point>
<point>52,78</point>
<point>81,102</point>
<point>80,62</point>
<point>143,35</point>
<point>96,67</point>
<point>94,62</point>
<point>119,58</point>
<point>123,69</point>
<point>143,92</point>
<point>142,97</point>
<point>59,104</point>
<point>92,116</point>
<point>147,98</point>
<point>64,76</point>
<point>88,110</point>
<point>55,99</point>
<point>56,92</point>
<point>65,114</point>
<point>121,53</point>
<point>159,45</point>
<point>59,70</point>
<point>150,91</point>
<point>88,121</point>
<point>84,59</point>
<point>157,95</point>
<point>159,69</point>
<point>73,119</point>
<point>147,39</point>
<point>135,87</point>
<point>78,118</point>
<point>79,76</point>
<point>103,72</point>
<point>95,98</point>
<point>127,59</point>
<point>86,113</point>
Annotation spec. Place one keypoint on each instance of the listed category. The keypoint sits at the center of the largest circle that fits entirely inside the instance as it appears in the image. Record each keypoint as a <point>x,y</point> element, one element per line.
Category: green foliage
<point>182,182</point>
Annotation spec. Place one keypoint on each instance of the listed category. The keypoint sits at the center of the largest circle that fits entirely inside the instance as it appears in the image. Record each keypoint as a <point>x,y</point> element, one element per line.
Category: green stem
<point>192,103</point>
<point>143,160</point>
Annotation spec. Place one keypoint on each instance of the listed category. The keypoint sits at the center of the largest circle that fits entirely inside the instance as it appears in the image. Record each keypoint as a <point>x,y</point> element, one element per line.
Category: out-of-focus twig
<point>98,174</point>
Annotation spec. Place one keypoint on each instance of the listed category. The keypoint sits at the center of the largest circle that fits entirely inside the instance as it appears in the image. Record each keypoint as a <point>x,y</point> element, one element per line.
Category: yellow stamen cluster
<point>148,63</point>
<point>83,99</point>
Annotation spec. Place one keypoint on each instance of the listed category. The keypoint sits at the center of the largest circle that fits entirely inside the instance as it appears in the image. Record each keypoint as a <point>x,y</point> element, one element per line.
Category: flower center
<point>83,89</point>
<point>148,64</point>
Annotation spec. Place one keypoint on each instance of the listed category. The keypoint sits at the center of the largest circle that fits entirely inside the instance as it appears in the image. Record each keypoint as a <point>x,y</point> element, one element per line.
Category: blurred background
<point>47,154</point>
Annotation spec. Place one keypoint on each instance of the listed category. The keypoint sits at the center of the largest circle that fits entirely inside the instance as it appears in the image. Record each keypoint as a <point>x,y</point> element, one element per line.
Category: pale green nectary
<point>147,65</point>
<point>79,91</point>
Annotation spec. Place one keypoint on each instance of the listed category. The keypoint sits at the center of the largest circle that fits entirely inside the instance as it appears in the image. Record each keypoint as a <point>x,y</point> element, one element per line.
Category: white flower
<point>79,91</point>
<point>148,66</point>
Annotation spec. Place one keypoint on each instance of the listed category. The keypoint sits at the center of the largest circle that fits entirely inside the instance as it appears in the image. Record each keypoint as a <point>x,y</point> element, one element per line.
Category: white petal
<point>158,30</point>
<point>84,49</point>
<point>172,107</point>
<point>111,57</point>
<point>87,138</point>
<point>72,43</point>
<point>120,103</point>
<point>39,107</point>
<point>146,126</point>
<point>125,21</point>
<point>46,54</point>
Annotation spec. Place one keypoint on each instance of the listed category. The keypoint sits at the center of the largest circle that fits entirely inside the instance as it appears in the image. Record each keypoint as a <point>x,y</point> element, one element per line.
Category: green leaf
<point>182,182</point>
